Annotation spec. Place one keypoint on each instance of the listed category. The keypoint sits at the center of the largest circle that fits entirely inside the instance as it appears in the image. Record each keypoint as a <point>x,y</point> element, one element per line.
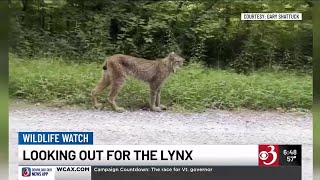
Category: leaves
<point>206,31</point>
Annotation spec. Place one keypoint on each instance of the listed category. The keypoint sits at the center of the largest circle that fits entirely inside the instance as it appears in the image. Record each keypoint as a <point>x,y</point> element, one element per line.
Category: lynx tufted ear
<point>171,56</point>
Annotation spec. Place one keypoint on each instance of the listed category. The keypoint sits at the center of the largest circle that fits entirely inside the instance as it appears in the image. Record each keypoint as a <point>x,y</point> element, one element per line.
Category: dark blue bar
<point>55,138</point>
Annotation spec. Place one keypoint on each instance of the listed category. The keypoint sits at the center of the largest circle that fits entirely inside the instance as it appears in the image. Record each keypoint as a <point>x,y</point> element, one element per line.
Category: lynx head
<point>175,61</point>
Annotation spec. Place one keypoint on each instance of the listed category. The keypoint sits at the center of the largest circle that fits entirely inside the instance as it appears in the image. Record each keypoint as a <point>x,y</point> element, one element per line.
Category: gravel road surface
<point>143,127</point>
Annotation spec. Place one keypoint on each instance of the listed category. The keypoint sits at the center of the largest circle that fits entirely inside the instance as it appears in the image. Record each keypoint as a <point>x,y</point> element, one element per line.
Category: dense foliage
<point>207,31</point>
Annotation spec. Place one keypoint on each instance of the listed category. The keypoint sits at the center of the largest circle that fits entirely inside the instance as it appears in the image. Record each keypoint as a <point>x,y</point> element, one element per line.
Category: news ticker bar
<point>161,155</point>
<point>158,172</point>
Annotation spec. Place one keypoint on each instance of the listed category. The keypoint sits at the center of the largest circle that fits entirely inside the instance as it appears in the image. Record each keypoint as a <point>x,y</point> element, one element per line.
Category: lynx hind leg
<point>101,85</point>
<point>116,86</point>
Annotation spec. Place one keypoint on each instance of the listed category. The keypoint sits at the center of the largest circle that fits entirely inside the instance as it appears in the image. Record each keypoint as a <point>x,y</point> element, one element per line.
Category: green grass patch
<point>194,87</point>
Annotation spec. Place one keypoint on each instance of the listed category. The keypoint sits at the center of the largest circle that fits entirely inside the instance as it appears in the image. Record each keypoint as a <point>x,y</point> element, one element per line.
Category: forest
<point>57,48</point>
<point>203,31</point>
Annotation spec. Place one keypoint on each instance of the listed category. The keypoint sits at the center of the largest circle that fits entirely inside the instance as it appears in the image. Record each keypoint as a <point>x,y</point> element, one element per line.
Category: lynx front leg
<point>158,104</point>
<point>116,87</point>
<point>154,99</point>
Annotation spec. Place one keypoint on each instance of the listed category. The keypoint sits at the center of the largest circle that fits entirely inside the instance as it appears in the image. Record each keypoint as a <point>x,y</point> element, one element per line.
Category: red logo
<point>268,155</point>
<point>26,172</point>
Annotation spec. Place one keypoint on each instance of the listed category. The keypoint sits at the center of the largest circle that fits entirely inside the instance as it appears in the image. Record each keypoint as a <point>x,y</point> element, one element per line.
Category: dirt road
<point>143,127</point>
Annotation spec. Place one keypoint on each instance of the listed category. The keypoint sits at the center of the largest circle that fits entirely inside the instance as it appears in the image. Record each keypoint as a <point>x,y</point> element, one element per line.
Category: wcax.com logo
<point>26,172</point>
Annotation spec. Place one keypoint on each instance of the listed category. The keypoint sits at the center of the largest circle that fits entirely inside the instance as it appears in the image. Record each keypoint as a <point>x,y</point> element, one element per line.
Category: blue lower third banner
<point>52,138</point>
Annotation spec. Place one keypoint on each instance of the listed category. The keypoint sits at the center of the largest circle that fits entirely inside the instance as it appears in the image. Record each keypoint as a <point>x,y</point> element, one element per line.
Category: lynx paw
<point>120,109</point>
<point>156,109</point>
<point>98,106</point>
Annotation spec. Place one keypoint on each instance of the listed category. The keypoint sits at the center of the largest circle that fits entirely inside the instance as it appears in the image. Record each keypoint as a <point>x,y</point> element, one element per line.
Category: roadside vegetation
<point>194,87</point>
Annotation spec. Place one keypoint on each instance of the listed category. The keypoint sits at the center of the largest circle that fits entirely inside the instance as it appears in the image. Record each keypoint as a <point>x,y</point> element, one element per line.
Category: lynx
<point>118,67</point>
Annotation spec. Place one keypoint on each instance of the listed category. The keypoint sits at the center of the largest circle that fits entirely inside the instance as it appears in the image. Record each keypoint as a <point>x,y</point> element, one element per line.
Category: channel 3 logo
<point>26,172</point>
<point>268,155</point>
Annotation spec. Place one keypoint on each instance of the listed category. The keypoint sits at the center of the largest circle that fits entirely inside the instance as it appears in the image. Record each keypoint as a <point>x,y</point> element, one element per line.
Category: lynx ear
<point>171,57</point>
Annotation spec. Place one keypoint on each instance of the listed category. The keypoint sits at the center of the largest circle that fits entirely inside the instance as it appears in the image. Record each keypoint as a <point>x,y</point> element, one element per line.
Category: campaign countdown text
<point>153,169</point>
<point>178,169</point>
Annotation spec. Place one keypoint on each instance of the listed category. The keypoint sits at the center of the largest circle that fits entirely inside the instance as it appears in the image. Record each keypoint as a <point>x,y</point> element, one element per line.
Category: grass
<point>194,87</point>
